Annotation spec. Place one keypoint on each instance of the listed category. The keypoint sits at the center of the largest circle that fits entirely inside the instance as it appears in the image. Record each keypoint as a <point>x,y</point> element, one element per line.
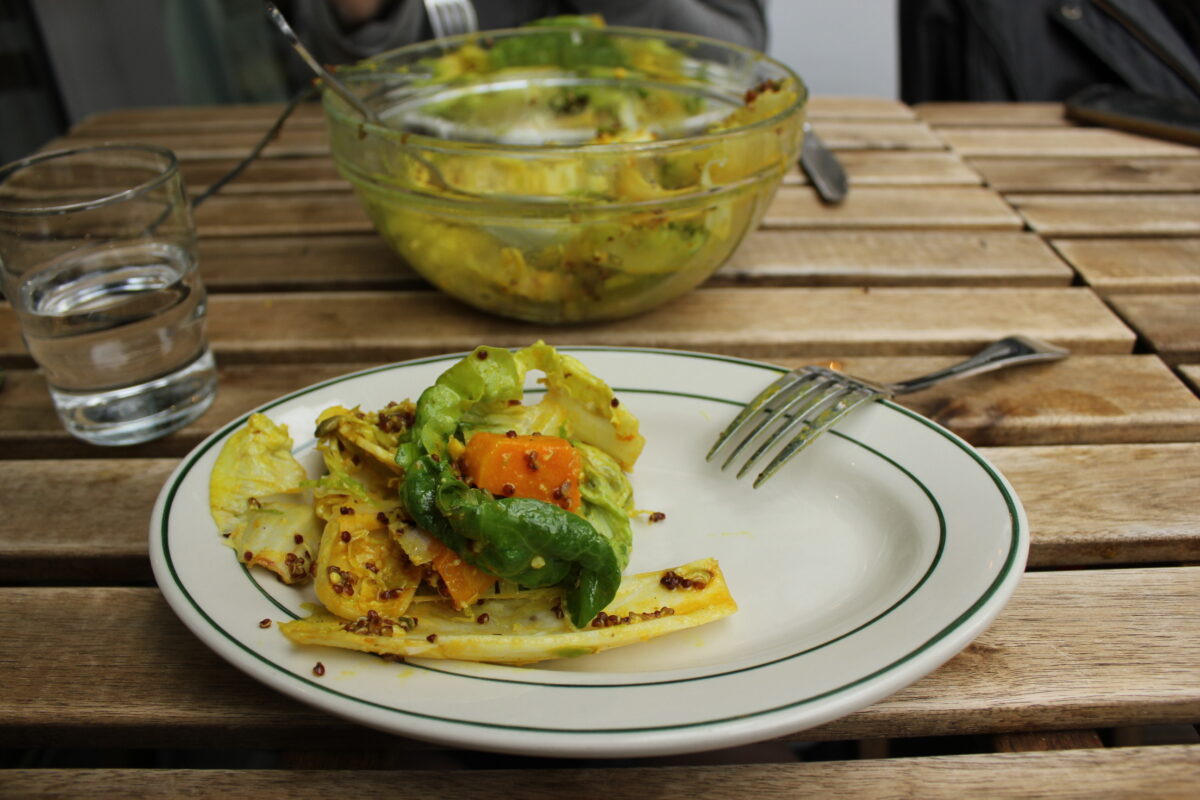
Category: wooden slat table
<point>965,222</point>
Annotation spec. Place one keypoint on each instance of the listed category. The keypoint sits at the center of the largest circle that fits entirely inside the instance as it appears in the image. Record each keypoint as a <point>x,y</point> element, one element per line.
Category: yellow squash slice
<point>256,499</point>
<point>528,627</point>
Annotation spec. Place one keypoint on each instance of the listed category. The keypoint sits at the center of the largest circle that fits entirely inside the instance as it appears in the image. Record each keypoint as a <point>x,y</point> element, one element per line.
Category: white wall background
<point>838,46</point>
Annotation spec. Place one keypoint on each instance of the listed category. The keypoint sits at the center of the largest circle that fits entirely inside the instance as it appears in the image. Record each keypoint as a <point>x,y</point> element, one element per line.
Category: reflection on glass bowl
<point>566,174</point>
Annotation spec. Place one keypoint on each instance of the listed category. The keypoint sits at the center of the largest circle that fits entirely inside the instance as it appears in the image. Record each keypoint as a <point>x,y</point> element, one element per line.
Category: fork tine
<point>795,398</point>
<point>784,382</point>
<point>814,428</point>
<point>819,397</point>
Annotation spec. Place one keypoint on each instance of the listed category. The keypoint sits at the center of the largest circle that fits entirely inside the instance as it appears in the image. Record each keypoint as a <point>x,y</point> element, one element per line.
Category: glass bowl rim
<point>340,111</point>
<point>168,170</point>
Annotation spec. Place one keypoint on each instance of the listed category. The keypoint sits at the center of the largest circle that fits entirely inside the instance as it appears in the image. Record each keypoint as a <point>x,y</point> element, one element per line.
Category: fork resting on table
<point>806,402</point>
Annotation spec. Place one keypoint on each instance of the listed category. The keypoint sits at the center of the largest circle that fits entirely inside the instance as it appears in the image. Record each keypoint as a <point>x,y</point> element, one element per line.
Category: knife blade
<point>822,168</point>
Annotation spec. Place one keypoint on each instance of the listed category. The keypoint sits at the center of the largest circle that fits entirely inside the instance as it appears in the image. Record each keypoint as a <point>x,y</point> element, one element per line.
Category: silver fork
<point>806,402</point>
<point>451,17</point>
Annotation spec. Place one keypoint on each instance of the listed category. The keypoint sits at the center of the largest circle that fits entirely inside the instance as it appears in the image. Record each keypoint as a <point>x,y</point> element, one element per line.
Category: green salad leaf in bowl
<point>566,171</point>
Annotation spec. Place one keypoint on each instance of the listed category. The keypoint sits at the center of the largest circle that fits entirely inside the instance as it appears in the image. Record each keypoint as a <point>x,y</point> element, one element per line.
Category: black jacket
<point>1046,50</point>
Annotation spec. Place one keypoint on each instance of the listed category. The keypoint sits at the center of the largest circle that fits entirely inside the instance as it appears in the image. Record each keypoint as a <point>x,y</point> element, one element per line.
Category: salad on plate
<point>466,525</point>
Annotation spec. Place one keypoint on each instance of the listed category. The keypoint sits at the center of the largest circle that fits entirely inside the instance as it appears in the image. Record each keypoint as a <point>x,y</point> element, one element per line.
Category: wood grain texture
<point>992,115</point>
<point>1106,504</point>
<point>1066,142</point>
<point>266,176</point>
<point>875,135</point>
<point>1110,214</point>
<point>1111,175</point>
<point>1191,374</point>
<point>1170,323</point>
<point>252,116</point>
<point>893,258</point>
<point>197,143</point>
<point>1081,400</point>
<point>281,215</point>
<point>31,430</point>
<point>319,173</point>
<point>1084,400</point>
<point>754,322</point>
<point>766,258</point>
<point>1134,266</point>
<point>1046,740</point>
<point>1142,773</point>
<point>333,263</point>
<point>1037,667</point>
<point>899,168</point>
<point>933,208</point>
<point>1087,506</point>
<point>833,106</point>
<point>93,531</point>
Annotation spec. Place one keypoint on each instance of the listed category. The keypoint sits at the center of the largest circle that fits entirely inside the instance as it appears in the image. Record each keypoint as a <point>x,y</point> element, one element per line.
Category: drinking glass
<point>98,259</point>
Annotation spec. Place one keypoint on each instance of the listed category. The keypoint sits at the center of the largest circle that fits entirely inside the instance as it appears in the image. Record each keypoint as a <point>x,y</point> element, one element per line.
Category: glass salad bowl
<point>562,173</point>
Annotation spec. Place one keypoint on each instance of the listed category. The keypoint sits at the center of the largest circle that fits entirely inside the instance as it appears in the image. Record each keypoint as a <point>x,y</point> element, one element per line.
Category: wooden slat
<point>998,115</point>
<point>934,208</point>
<point>1046,740</point>
<point>1069,142</point>
<point>1135,266</point>
<point>94,532</point>
<point>266,175</point>
<point>765,258</point>
<point>1110,214</point>
<point>1191,374</point>
<point>1090,504</point>
<point>1090,174</point>
<point>29,428</point>
<point>1087,506</point>
<point>893,258</point>
<point>1085,399</point>
<point>136,673</point>
<point>309,263</point>
<point>291,214</point>
<point>831,106</point>
<point>871,135</point>
<point>318,173</point>
<point>165,119</point>
<point>1169,322</point>
<point>1144,773</point>
<point>940,208</point>
<point>205,143</point>
<point>1081,400</point>
<point>899,168</point>
<point>755,322</point>
<point>752,322</point>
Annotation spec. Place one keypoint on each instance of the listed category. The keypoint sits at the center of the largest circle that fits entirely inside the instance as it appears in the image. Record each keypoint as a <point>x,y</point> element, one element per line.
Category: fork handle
<point>1004,353</point>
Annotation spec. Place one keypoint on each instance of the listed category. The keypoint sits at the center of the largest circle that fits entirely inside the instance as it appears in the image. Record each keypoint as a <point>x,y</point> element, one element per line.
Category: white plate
<point>871,559</point>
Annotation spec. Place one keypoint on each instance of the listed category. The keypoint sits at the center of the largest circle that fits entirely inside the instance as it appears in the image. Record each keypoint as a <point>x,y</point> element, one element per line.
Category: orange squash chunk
<point>462,581</point>
<point>539,467</point>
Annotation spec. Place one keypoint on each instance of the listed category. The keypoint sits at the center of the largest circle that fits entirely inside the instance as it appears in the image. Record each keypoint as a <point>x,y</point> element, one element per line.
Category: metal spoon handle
<point>322,73</point>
